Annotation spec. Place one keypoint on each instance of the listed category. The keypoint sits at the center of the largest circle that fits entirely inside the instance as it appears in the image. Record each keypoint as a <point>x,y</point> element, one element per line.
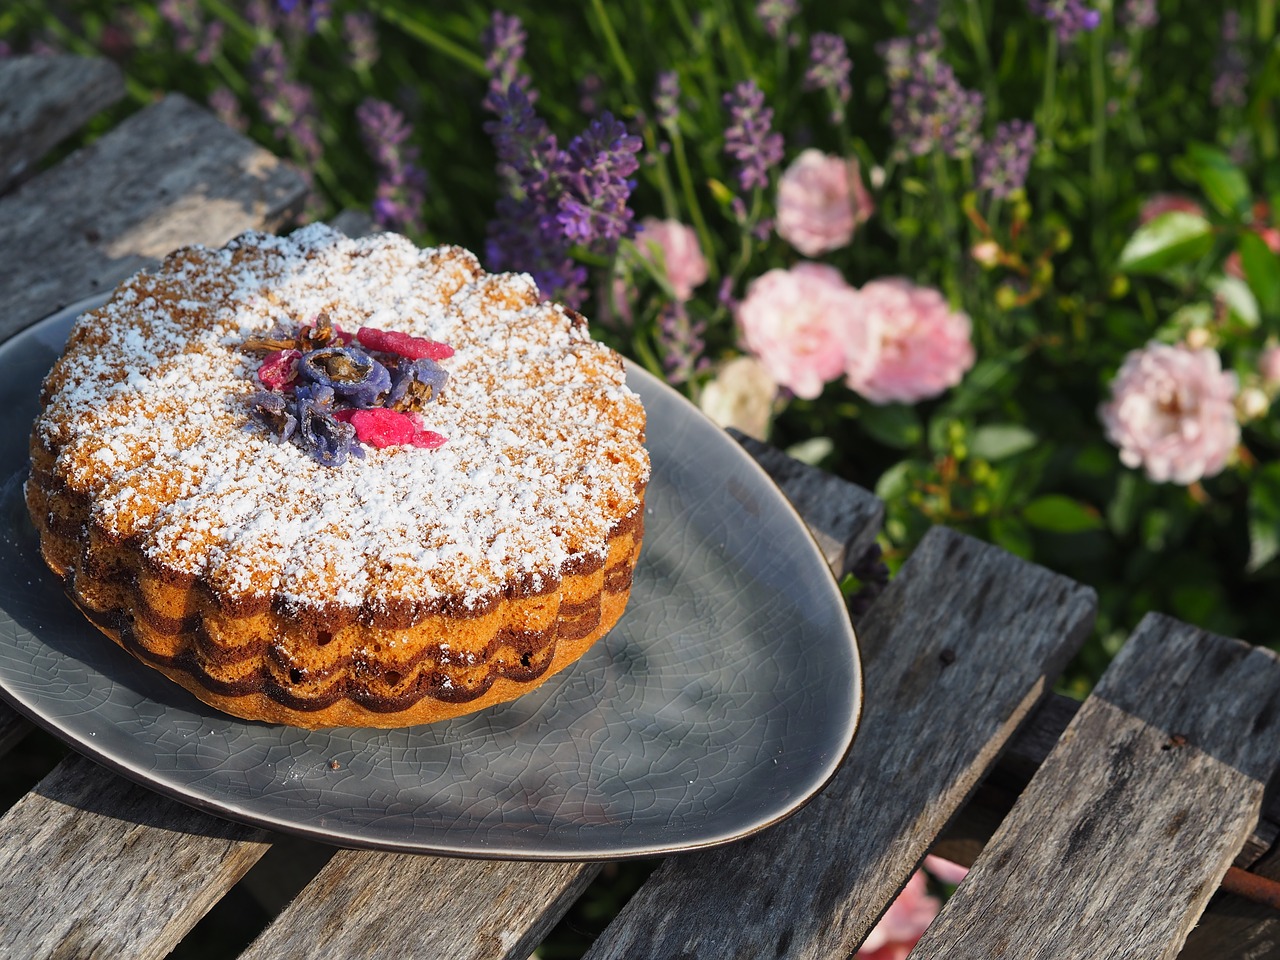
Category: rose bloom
<point>1172,412</point>
<point>821,199</point>
<point>671,244</point>
<point>741,396</point>
<point>1269,365</point>
<point>924,344</point>
<point>1160,203</point>
<point>804,323</point>
<point>903,924</point>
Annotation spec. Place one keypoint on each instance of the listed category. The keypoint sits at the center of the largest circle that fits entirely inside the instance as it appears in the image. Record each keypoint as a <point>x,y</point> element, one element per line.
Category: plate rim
<point>235,811</point>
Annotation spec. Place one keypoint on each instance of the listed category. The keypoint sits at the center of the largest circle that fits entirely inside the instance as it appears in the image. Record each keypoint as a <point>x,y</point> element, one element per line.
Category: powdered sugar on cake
<point>147,412</point>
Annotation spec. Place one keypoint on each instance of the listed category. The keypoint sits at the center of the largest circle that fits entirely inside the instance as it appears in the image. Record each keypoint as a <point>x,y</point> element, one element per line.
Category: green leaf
<point>894,424</point>
<point>1058,514</point>
<point>1264,517</point>
<point>1169,240</point>
<point>984,381</point>
<point>1011,534</point>
<point>895,482</point>
<point>1225,186</point>
<point>1240,301</point>
<point>998,441</point>
<point>1262,270</point>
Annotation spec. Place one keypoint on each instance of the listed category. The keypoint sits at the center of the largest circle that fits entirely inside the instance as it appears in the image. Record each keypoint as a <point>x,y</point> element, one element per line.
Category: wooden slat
<point>841,537</point>
<point>168,176</point>
<point>94,866</point>
<point>389,905</point>
<point>1132,821</point>
<point>958,649</point>
<point>368,905</point>
<point>1234,928</point>
<point>45,99</point>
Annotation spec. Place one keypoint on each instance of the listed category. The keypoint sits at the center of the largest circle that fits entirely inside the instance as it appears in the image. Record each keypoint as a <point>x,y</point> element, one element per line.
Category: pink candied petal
<point>403,344</point>
<point>422,437</point>
<point>279,369</point>
<point>381,428</point>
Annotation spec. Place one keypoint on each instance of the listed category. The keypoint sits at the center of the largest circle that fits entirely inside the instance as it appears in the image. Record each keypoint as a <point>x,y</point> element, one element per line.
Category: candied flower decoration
<point>329,397</point>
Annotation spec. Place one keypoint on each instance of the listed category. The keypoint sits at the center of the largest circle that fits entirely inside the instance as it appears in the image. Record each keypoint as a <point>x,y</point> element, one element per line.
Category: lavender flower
<point>683,346</point>
<point>595,174</point>
<point>1069,18</point>
<point>776,14</point>
<point>313,12</point>
<point>504,46</point>
<point>748,138</point>
<point>360,34</point>
<point>930,109</point>
<point>923,14</point>
<point>402,182</point>
<point>287,104</point>
<point>1003,163</point>
<point>226,108</point>
<point>5,50</point>
<point>666,98</point>
<point>191,34</point>
<point>1139,15</point>
<point>1231,68</point>
<point>829,69</point>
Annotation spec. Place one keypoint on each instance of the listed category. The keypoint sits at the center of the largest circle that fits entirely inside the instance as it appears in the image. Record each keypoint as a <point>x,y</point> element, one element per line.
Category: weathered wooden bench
<point>1133,825</point>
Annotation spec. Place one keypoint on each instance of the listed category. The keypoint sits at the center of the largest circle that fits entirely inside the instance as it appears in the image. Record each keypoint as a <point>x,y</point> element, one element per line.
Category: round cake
<point>334,482</point>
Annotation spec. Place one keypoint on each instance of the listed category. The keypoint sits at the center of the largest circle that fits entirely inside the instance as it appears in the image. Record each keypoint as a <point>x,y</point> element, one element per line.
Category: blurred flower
<point>683,346</point>
<point>924,345</point>
<point>402,182</point>
<point>803,324</point>
<point>504,45</point>
<point>5,50</point>
<point>1069,18</point>
<point>1003,162</point>
<point>741,396</point>
<point>1269,366</point>
<point>1139,15</point>
<point>829,69</point>
<point>226,108</point>
<point>589,89</point>
<point>821,200</point>
<point>673,248</point>
<point>1231,68</point>
<point>945,870</point>
<point>288,104</point>
<point>985,253</point>
<point>666,98</point>
<point>922,14</point>
<point>930,110</point>
<point>1159,203</point>
<point>359,32</point>
<point>313,12</point>
<point>1172,412</point>
<point>748,138</point>
<point>1252,403</point>
<point>776,14</point>
<point>903,924</point>
<point>192,35</point>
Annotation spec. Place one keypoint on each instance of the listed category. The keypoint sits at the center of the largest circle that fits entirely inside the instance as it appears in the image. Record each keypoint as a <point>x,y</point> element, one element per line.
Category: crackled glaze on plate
<point>720,704</point>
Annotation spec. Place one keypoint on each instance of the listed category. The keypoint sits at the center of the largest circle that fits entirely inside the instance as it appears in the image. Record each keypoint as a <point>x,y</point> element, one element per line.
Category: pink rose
<point>803,324</point>
<point>924,344</point>
<point>1172,412</point>
<point>1165,203</point>
<point>903,924</point>
<point>1269,365</point>
<point>670,244</point>
<point>945,870</point>
<point>821,200</point>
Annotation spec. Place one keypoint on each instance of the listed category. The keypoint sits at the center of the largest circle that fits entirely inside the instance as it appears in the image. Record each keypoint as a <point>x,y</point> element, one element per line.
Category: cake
<point>381,561</point>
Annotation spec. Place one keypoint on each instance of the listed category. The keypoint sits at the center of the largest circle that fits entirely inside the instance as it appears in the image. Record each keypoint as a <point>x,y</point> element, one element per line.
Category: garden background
<point>1012,264</point>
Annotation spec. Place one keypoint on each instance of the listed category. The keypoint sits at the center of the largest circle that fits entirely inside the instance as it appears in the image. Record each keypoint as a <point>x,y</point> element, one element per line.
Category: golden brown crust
<point>398,654</point>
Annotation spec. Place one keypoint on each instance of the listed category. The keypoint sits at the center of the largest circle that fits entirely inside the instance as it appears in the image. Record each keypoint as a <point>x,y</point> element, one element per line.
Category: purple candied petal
<point>273,412</point>
<point>329,441</point>
<point>351,374</point>
<point>417,380</point>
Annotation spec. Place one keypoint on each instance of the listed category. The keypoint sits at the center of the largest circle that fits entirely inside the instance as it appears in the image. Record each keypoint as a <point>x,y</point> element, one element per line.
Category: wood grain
<point>43,100</point>
<point>92,865</point>
<point>169,176</point>
<point>843,523</point>
<point>373,905</point>
<point>957,651</point>
<point>1131,822</point>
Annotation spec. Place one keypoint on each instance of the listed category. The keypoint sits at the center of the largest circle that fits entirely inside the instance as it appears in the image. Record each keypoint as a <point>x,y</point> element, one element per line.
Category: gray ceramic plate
<point>719,705</point>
